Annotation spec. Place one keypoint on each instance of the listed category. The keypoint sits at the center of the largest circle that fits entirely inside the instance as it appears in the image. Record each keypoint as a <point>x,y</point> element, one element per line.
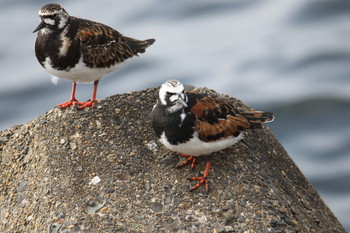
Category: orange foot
<point>190,159</point>
<point>89,103</point>
<point>69,103</point>
<point>201,179</point>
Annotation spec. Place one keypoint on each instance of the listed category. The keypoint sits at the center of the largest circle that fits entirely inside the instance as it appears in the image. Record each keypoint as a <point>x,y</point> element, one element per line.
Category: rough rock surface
<point>102,170</point>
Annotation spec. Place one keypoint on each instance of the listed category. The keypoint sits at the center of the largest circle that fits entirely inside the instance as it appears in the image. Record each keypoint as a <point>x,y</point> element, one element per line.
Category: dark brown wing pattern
<point>102,46</point>
<point>218,119</point>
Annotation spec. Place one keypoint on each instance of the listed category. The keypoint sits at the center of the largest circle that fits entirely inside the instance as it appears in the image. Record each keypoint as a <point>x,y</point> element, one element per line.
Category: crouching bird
<point>196,124</point>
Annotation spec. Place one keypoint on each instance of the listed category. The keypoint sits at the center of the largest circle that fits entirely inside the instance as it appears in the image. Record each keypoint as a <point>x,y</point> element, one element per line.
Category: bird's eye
<point>51,16</point>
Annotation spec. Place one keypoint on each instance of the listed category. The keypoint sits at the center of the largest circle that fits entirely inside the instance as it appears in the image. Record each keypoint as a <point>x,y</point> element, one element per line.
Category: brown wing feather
<point>232,126</point>
<point>102,46</point>
<point>217,118</point>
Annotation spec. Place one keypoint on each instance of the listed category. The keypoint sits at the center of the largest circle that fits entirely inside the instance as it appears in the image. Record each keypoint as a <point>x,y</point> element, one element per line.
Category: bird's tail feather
<point>257,118</point>
<point>140,45</point>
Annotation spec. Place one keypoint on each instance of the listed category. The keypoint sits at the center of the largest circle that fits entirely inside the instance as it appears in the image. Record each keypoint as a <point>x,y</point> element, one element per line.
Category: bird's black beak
<point>182,102</point>
<point>40,26</point>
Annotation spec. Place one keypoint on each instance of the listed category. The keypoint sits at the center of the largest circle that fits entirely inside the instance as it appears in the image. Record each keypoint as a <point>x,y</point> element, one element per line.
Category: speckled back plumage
<point>102,46</point>
<point>216,118</point>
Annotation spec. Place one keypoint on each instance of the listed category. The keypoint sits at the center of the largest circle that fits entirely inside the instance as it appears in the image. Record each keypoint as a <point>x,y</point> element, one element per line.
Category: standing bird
<point>195,124</point>
<point>81,50</point>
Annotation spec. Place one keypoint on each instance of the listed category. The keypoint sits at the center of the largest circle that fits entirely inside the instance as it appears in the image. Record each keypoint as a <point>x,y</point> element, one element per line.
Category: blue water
<point>290,57</point>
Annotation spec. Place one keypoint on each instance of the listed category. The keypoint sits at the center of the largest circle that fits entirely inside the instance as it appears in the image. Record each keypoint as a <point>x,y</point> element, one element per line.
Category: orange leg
<point>202,179</point>
<point>72,100</point>
<point>190,159</point>
<point>92,102</point>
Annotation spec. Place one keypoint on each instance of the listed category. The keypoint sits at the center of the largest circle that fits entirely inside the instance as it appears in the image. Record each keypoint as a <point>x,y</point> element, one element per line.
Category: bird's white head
<point>53,17</point>
<point>172,95</point>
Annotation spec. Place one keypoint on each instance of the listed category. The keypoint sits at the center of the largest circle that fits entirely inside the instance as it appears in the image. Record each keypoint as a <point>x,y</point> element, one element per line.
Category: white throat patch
<point>63,22</point>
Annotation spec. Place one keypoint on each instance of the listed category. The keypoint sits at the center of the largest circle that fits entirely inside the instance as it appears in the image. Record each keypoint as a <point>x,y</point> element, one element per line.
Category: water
<point>290,57</point>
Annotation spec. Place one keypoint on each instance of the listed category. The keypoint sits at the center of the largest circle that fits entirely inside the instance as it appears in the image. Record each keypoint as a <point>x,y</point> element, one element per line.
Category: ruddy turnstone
<point>81,50</point>
<point>195,124</point>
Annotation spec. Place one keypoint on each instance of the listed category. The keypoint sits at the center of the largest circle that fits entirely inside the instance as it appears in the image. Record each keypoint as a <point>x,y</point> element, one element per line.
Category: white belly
<point>196,147</point>
<point>80,73</point>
